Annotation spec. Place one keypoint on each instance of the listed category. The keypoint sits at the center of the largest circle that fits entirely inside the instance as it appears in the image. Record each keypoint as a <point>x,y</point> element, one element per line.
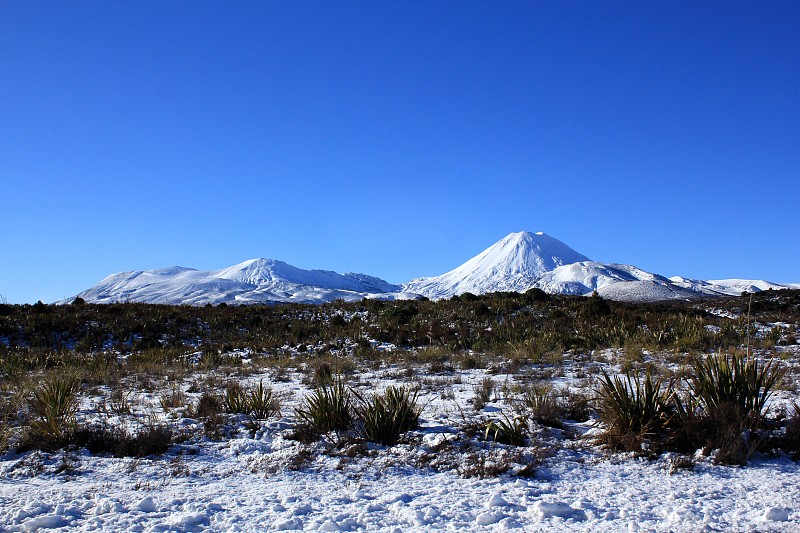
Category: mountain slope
<point>729,287</point>
<point>512,264</point>
<point>522,261</point>
<point>253,281</point>
<point>612,281</point>
<point>516,263</point>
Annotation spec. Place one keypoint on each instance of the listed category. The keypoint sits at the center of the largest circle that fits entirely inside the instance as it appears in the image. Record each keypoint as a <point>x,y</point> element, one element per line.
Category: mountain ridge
<point>516,263</point>
<point>511,264</point>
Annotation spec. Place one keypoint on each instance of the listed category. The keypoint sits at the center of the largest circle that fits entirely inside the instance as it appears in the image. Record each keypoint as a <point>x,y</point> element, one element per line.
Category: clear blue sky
<point>395,138</point>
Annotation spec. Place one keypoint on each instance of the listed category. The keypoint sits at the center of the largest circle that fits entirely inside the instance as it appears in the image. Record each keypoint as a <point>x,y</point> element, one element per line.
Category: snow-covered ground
<point>231,486</point>
<point>259,479</point>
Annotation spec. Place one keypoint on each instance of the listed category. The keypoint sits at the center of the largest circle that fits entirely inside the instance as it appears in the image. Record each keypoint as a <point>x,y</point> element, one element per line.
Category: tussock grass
<point>235,400</point>
<point>484,392</point>
<point>735,381</point>
<point>328,408</point>
<point>53,406</point>
<point>384,418</point>
<point>632,407</point>
<point>544,406</point>
<point>262,402</point>
<point>507,430</point>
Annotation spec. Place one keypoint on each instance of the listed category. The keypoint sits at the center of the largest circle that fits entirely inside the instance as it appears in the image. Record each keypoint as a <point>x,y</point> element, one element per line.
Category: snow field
<point>263,481</point>
<point>218,495</point>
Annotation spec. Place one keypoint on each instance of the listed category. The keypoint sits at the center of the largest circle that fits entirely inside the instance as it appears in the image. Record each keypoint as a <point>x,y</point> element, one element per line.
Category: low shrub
<point>153,439</point>
<point>791,440</point>
<point>209,409</point>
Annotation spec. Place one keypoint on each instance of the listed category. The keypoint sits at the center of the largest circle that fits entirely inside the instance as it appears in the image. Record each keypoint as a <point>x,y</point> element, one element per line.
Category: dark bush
<point>536,295</point>
<point>151,440</point>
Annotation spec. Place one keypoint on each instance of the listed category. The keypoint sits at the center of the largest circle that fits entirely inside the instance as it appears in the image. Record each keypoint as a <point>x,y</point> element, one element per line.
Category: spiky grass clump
<point>384,418</point>
<point>544,406</point>
<point>730,393</point>
<point>505,430</point>
<point>328,408</point>
<point>633,408</point>
<point>723,381</point>
<point>53,405</point>
<point>262,402</point>
<point>235,398</point>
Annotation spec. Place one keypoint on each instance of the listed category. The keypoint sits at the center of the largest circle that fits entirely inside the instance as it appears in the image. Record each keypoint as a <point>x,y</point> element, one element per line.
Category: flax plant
<point>384,418</point>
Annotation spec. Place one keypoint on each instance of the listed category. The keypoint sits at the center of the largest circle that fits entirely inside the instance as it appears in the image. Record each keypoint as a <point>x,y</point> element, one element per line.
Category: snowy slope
<point>516,263</point>
<point>730,287</point>
<point>512,264</point>
<point>522,261</point>
<point>253,281</point>
<point>615,282</point>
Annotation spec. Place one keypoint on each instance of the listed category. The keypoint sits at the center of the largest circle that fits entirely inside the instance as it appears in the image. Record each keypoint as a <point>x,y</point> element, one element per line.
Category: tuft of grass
<point>262,402</point>
<point>384,418</point>
<point>635,408</point>
<point>505,430</point>
<point>544,406</point>
<point>173,399</point>
<point>328,408</point>
<point>54,405</point>
<point>483,393</point>
<point>235,398</point>
<point>737,381</point>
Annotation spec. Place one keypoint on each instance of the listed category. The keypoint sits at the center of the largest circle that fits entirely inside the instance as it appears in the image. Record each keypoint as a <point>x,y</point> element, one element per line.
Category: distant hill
<point>516,263</point>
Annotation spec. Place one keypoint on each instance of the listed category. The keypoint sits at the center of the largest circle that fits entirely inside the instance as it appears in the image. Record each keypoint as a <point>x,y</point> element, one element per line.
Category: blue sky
<point>395,138</point>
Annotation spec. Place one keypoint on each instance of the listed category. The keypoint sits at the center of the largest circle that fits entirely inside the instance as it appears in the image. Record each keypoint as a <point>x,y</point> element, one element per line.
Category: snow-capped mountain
<point>253,281</point>
<point>514,263</point>
<point>613,281</point>
<point>730,287</point>
<point>524,260</point>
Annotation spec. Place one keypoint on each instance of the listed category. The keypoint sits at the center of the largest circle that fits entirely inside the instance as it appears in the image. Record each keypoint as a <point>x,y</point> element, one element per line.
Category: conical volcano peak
<point>533,253</point>
<point>513,263</point>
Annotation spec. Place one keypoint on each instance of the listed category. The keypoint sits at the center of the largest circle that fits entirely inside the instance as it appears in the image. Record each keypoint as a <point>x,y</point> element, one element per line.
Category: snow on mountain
<point>512,264</point>
<point>612,281</point>
<point>516,263</point>
<point>730,287</point>
<point>522,261</point>
<point>253,281</point>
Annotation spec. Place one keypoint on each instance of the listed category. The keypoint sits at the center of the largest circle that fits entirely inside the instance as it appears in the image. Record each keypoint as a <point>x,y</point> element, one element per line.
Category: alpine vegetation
<point>529,410</point>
